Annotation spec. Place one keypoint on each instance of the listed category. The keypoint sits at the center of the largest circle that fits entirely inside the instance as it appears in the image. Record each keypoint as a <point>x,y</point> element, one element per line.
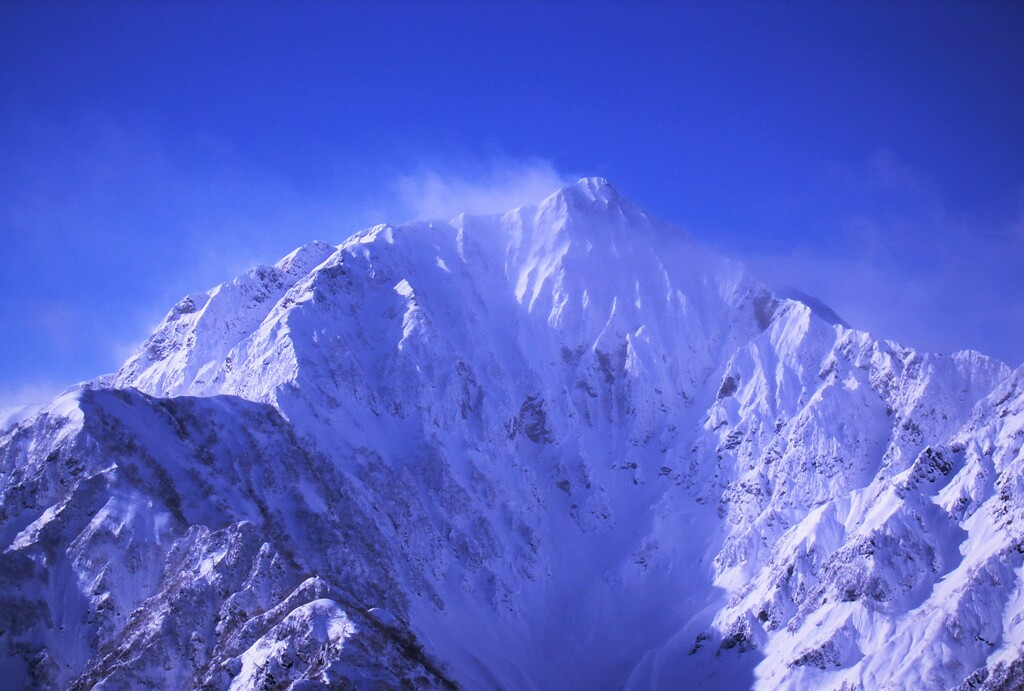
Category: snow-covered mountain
<point>564,447</point>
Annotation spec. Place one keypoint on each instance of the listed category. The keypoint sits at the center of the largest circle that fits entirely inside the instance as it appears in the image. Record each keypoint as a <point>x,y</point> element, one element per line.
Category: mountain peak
<point>596,185</point>
<point>554,425</point>
<point>592,196</point>
<point>594,189</point>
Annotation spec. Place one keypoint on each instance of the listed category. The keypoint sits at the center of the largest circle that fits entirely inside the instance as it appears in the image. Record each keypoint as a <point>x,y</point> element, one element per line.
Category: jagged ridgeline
<point>565,447</point>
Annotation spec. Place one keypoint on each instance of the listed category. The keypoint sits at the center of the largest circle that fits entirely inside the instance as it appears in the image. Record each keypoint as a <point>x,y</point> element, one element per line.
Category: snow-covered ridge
<point>436,453</point>
<point>12,415</point>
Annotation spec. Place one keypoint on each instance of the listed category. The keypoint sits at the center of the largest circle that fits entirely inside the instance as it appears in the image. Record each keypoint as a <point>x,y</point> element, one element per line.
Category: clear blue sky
<point>870,153</point>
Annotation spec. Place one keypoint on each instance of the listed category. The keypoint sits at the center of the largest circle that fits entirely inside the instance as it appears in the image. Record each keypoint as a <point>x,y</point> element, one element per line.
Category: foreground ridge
<point>561,447</point>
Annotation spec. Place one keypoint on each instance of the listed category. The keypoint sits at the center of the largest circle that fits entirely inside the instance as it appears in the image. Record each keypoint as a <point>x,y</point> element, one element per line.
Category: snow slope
<point>12,415</point>
<point>562,447</point>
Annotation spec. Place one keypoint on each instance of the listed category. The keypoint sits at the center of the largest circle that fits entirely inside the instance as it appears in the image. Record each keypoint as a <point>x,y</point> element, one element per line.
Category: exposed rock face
<point>564,447</point>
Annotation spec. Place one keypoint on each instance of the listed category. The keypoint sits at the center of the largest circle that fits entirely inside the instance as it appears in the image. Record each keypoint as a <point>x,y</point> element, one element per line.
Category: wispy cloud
<point>906,266</point>
<point>108,223</point>
<point>36,393</point>
<point>483,187</point>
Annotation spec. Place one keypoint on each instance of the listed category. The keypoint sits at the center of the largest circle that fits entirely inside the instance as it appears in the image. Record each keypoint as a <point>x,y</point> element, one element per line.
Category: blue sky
<point>871,154</point>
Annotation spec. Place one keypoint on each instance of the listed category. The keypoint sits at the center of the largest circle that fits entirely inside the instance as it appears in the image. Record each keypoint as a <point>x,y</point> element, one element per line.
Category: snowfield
<point>565,447</point>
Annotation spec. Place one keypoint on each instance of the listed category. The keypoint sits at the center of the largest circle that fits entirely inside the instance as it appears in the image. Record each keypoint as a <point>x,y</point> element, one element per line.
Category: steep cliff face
<point>563,447</point>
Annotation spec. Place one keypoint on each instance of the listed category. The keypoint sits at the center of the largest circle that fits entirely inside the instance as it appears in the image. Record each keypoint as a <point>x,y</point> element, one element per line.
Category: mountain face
<point>563,447</point>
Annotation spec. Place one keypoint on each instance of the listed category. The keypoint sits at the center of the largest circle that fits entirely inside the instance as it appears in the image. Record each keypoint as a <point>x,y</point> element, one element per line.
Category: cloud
<point>906,266</point>
<point>477,188</point>
<point>34,394</point>
<point>108,222</point>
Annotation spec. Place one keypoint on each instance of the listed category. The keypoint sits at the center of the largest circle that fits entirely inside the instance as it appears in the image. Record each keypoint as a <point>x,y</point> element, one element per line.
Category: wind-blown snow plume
<point>503,184</point>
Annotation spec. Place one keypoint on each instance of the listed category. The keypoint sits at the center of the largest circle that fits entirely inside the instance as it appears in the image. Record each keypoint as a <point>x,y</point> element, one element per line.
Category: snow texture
<point>562,447</point>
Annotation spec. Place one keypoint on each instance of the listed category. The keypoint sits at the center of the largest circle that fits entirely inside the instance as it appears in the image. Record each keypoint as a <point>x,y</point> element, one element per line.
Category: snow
<point>323,621</point>
<point>11,416</point>
<point>564,446</point>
